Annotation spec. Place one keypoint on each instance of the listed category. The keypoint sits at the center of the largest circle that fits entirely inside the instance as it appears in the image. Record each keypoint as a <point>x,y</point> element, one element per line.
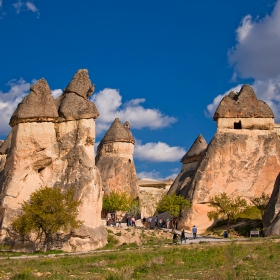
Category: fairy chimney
<point>242,159</point>
<point>189,164</point>
<point>114,160</point>
<point>52,144</point>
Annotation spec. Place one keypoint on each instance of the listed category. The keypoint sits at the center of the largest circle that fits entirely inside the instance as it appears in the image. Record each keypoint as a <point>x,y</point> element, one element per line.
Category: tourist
<point>144,222</point>
<point>160,223</point>
<point>194,231</point>
<point>175,237</point>
<point>150,222</point>
<point>119,222</point>
<point>133,221</point>
<point>183,236</point>
<point>168,223</point>
<point>156,221</point>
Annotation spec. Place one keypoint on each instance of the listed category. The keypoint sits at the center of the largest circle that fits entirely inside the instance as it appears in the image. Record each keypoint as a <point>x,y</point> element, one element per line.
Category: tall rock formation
<point>271,217</point>
<point>243,158</point>
<point>52,144</point>
<point>189,164</point>
<point>114,159</point>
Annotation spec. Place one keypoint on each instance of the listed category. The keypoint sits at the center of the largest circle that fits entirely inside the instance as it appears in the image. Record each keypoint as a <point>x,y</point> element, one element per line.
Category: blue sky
<point>162,65</point>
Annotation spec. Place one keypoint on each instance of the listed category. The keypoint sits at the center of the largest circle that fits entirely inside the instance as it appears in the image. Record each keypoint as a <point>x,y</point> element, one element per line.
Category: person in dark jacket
<point>183,236</point>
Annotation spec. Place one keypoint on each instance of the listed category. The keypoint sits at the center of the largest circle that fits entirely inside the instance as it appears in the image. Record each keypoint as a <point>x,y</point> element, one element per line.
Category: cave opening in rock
<point>237,125</point>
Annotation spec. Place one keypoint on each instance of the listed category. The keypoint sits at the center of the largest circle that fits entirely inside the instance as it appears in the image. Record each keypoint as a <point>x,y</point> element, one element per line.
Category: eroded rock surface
<point>114,159</point>
<point>54,151</point>
<point>240,160</point>
<point>189,165</point>
<point>271,218</point>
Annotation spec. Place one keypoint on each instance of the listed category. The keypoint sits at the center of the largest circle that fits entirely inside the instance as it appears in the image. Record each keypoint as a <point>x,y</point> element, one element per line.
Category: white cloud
<point>18,6</point>
<point>257,55</point>
<point>56,93</point>
<point>10,99</point>
<point>110,106</point>
<point>257,52</point>
<point>157,152</point>
<point>31,7</point>
<point>26,6</point>
<point>155,175</point>
<point>1,4</point>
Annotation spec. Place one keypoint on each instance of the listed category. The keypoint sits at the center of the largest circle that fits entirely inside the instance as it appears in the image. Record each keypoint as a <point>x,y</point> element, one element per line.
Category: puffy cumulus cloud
<point>155,175</point>
<point>26,6</point>
<point>157,152</point>
<point>257,55</point>
<point>257,52</point>
<point>110,106</point>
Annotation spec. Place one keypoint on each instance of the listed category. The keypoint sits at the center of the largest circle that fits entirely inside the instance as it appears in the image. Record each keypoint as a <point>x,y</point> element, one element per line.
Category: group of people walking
<point>183,235</point>
<point>160,223</point>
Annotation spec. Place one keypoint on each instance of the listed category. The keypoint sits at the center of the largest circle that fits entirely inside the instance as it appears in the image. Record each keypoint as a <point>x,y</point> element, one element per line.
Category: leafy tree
<point>261,202</point>
<point>48,211</point>
<point>174,204</point>
<point>134,209</point>
<point>226,207</point>
<point>117,201</point>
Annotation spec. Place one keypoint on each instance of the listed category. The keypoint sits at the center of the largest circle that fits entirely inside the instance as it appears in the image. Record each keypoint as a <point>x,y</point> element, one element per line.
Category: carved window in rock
<point>109,147</point>
<point>237,125</point>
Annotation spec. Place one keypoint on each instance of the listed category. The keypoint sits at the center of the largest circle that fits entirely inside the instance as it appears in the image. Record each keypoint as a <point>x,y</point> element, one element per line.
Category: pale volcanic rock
<point>240,160</point>
<point>189,164</point>
<point>271,217</point>
<point>37,106</point>
<point>55,153</point>
<point>114,159</point>
<point>6,144</point>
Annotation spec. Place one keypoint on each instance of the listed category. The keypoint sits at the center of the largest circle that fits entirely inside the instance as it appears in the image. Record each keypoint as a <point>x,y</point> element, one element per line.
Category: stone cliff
<point>52,144</point>
<point>243,158</point>
<point>114,159</point>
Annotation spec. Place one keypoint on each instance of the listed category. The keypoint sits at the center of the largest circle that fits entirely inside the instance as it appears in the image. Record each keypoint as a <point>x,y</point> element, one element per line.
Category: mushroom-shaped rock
<point>80,84</point>
<point>73,104</point>
<point>196,150</point>
<point>37,106</point>
<point>118,133</point>
<point>243,105</point>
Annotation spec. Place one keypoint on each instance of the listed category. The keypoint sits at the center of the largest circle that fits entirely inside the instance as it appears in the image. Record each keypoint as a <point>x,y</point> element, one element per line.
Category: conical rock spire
<point>37,106</point>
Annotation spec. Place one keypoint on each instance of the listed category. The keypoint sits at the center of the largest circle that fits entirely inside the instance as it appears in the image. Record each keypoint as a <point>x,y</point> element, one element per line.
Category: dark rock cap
<point>118,133</point>
<point>75,107</point>
<point>73,104</point>
<point>196,150</point>
<point>80,84</point>
<point>37,106</point>
<point>243,105</point>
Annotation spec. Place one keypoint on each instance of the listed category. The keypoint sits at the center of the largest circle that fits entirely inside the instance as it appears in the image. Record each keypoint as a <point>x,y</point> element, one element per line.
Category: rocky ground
<point>143,236</point>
